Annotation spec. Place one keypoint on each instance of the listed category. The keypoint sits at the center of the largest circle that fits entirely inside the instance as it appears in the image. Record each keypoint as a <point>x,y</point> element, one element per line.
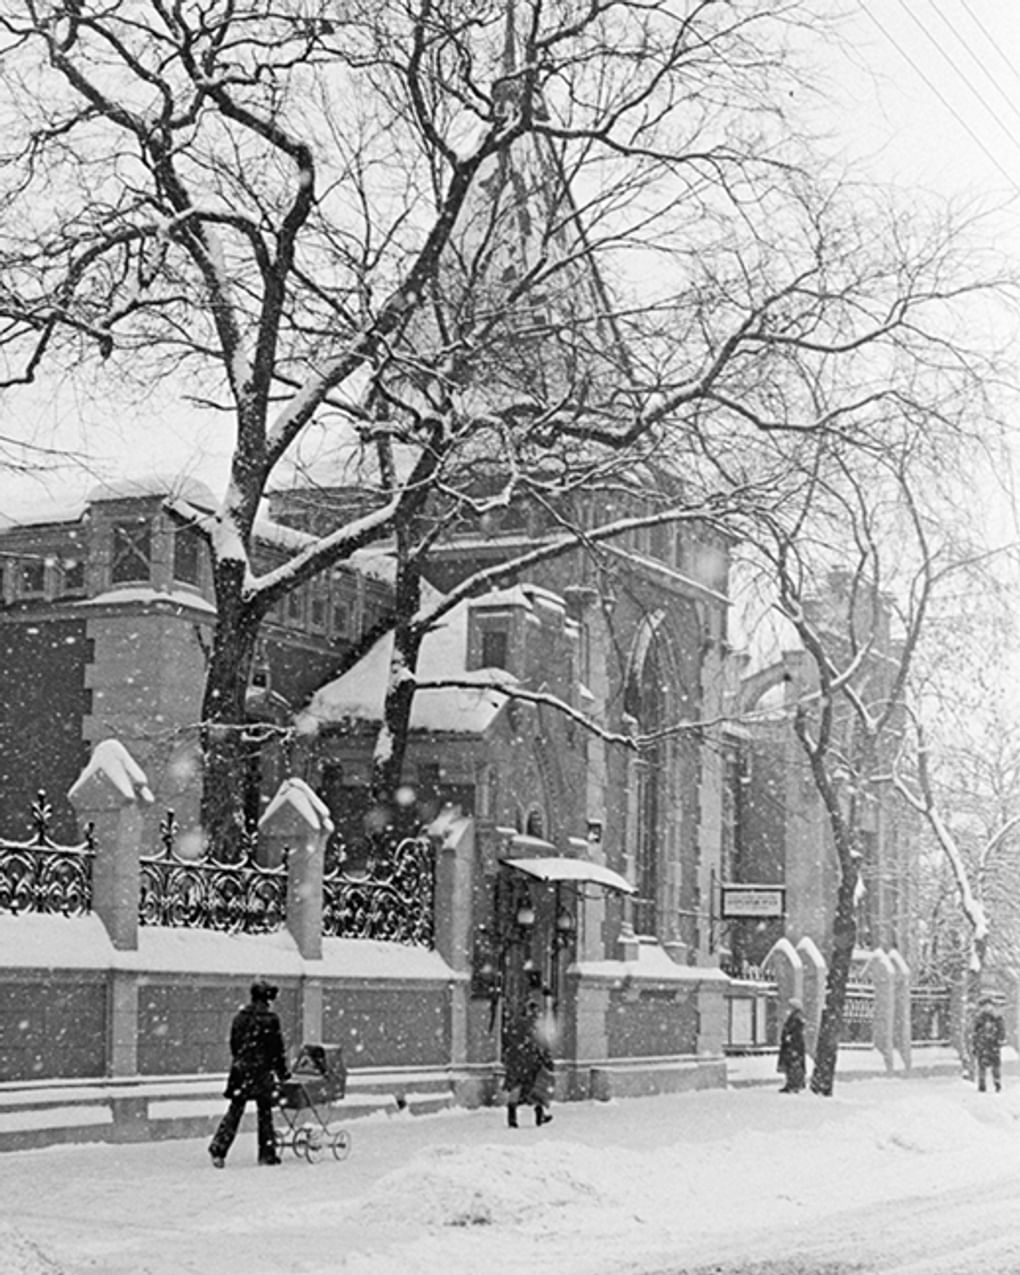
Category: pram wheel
<point>308,1142</point>
<point>341,1144</point>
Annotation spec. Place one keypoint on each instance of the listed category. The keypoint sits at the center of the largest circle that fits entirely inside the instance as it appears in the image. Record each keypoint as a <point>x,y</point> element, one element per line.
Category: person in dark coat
<point>258,1061</point>
<point>987,1038</point>
<point>791,1049</point>
<point>528,1067</point>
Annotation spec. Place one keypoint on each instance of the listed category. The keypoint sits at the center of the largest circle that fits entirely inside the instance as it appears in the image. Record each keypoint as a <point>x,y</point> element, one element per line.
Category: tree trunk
<point>225,753</point>
<point>971,996</point>
<point>391,748</point>
<point>830,1031</point>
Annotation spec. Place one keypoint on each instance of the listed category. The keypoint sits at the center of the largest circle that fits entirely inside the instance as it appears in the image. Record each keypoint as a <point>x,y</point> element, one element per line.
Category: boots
<point>541,1115</point>
<point>511,1115</point>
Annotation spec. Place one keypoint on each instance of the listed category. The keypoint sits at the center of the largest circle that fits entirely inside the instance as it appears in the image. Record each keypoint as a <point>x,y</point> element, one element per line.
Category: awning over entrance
<point>555,868</point>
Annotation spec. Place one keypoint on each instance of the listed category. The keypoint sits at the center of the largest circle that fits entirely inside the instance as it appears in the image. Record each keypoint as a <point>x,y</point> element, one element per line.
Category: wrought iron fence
<point>41,876</point>
<point>930,1021</point>
<point>859,1014</point>
<point>201,893</point>
<point>394,900</point>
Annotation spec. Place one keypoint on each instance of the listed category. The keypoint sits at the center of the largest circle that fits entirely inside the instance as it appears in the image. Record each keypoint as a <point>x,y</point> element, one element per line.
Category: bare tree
<point>857,561</point>
<point>518,240</point>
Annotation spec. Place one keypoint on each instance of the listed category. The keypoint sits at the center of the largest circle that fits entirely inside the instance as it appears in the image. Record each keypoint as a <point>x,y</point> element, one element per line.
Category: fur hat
<point>263,990</point>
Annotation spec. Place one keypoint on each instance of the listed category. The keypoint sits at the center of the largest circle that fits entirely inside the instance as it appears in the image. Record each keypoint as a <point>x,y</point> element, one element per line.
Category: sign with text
<point>761,901</point>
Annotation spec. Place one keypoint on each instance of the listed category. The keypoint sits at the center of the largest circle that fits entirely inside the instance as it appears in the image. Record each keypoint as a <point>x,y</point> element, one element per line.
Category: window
<point>296,607</point>
<point>72,576</point>
<point>341,618</point>
<point>187,555</point>
<point>32,578</point>
<point>132,551</point>
<point>319,606</point>
<point>495,648</point>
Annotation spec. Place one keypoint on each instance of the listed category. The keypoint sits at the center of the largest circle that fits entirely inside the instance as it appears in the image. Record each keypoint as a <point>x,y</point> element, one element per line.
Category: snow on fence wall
<point>393,901</point>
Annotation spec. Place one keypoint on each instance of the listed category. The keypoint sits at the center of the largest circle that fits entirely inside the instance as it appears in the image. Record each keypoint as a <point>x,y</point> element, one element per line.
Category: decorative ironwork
<point>930,1015</point>
<point>859,1014</point>
<point>41,876</point>
<point>394,901</point>
<point>202,893</point>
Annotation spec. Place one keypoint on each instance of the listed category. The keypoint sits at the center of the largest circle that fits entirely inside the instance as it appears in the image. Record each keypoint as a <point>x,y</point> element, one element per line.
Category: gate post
<point>109,793</point>
<point>296,825</point>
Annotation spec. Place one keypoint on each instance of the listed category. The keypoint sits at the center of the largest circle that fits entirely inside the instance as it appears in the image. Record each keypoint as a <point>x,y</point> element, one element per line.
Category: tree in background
<point>855,562</point>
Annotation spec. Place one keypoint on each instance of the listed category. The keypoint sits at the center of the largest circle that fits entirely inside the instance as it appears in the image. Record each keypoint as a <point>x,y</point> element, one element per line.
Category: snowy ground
<point>718,1180</point>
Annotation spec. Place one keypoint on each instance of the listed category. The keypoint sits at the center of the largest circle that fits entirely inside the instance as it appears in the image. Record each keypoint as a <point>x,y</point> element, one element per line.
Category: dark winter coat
<point>791,1047</point>
<point>258,1056</point>
<point>525,1056</point>
<point>989,1034</point>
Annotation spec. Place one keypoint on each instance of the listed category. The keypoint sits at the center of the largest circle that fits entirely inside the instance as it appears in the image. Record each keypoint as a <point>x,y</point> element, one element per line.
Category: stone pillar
<point>296,827</point>
<point>109,794</point>
<point>711,1001</point>
<point>880,969</point>
<point>788,969</point>
<point>453,836</point>
<point>815,973</point>
<point>901,1007</point>
<point>1010,981</point>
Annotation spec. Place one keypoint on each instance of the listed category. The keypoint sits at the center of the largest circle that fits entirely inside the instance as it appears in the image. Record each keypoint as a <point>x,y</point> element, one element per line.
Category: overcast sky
<point>926,95</point>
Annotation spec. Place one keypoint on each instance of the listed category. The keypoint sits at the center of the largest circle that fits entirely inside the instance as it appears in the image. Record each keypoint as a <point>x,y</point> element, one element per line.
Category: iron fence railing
<point>43,877</point>
<point>930,1015</point>
<point>202,893</point>
<point>859,1014</point>
<point>394,899</point>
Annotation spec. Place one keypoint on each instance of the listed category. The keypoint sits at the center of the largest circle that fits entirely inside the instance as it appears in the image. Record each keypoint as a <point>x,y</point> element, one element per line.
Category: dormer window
<point>495,648</point>
<point>132,551</point>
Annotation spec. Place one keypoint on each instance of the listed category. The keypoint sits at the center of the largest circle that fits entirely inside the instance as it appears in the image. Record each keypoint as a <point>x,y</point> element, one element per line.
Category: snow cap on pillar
<point>111,771</point>
<point>296,809</point>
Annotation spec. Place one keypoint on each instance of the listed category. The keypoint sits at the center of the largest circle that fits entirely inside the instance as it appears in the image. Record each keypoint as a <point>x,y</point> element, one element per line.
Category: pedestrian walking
<point>987,1038</point>
<point>528,1067</point>
<point>258,1061</point>
<point>791,1049</point>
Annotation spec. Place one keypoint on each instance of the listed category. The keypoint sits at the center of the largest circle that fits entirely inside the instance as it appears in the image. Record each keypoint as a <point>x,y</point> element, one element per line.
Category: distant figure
<point>258,1060</point>
<point>791,1049</point>
<point>987,1038</point>
<point>529,1067</point>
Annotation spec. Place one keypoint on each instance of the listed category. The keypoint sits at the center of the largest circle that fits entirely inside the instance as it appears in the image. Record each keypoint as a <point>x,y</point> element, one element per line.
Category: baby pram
<point>318,1080</point>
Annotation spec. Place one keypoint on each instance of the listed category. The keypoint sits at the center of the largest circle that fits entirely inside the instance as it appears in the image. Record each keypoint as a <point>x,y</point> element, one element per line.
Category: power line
<point>991,40</point>
<point>954,31</point>
<point>954,66</point>
<point>938,93</point>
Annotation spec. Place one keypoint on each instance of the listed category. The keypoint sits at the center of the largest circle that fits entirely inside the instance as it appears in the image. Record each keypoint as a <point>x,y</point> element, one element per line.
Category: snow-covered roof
<point>153,485</point>
<point>358,694</point>
<point>133,594</point>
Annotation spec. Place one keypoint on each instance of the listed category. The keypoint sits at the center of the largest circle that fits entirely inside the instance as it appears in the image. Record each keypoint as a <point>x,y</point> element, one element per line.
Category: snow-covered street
<point>915,1177</point>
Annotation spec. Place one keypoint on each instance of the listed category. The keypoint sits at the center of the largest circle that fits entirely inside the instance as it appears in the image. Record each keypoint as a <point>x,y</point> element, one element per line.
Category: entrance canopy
<point>554,868</point>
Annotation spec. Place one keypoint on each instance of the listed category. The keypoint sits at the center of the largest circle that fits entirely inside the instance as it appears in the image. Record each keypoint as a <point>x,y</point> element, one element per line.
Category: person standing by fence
<point>791,1049</point>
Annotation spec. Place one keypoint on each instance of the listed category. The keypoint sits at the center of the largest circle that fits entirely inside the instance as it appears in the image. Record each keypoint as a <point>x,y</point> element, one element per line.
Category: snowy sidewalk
<point>686,1183</point>
<point>856,1062</point>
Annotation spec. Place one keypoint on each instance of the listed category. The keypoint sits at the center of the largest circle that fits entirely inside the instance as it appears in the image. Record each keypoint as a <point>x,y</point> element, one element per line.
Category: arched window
<point>645,702</point>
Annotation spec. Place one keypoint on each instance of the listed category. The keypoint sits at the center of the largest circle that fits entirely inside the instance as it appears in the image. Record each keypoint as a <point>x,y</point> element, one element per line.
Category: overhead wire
<point>940,95</point>
<point>964,43</point>
<point>995,45</point>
